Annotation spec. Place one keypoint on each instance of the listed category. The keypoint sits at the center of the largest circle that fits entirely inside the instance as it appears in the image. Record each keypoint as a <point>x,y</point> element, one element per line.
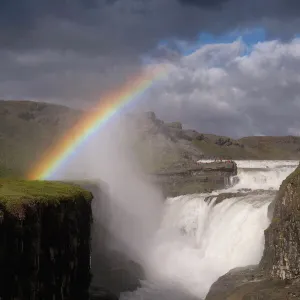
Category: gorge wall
<point>44,240</point>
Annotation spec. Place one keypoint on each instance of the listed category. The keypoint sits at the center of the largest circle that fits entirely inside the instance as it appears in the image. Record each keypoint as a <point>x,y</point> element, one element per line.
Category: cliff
<point>44,240</point>
<point>277,276</point>
<point>195,178</point>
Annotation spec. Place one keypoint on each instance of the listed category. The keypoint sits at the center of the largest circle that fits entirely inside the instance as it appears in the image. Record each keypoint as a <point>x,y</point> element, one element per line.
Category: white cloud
<point>220,90</point>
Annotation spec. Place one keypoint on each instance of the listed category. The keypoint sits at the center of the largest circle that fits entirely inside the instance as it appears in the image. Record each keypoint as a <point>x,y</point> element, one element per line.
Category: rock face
<point>281,257</point>
<point>44,240</point>
<point>195,178</point>
<point>251,284</point>
<point>277,277</point>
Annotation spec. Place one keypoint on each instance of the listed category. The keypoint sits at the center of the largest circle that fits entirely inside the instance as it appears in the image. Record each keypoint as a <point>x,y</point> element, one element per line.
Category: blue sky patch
<point>249,36</point>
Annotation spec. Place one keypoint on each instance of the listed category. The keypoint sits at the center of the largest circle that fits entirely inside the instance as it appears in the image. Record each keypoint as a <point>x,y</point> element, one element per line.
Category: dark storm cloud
<point>205,3</point>
<point>25,12</point>
<point>104,24</point>
<point>131,27</point>
<point>72,51</point>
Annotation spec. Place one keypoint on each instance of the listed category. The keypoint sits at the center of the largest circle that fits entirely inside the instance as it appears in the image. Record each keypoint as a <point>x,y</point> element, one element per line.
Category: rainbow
<point>110,104</point>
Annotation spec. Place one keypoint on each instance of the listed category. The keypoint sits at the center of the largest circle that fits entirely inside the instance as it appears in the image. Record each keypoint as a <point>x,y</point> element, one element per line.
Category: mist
<point>184,244</point>
<point>133,213</point>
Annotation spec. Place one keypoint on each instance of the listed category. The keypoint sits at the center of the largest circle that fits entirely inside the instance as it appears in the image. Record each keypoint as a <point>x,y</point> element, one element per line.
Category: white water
<point>263,174</point>
<point>198,241</point>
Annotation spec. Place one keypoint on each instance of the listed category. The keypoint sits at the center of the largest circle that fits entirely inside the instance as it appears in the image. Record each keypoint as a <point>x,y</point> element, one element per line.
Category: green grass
<point>27,129</point>
<point>19,193</point>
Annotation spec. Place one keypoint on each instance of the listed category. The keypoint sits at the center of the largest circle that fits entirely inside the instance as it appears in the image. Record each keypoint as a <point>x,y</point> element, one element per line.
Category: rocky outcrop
<point>44,240</point>
<point>195,178</point>
<point>277,277</point>
<point>281,257</point>
<point>250,283</point>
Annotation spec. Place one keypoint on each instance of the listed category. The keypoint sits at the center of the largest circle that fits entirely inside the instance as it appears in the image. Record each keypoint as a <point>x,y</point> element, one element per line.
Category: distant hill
<point>190,144</point>
<point>28,128</point>
<point>253,147</point>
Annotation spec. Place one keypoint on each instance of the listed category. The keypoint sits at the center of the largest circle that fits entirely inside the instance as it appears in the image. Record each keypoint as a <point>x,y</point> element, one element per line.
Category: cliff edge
<point>44,240</point>
<point>277,276</point>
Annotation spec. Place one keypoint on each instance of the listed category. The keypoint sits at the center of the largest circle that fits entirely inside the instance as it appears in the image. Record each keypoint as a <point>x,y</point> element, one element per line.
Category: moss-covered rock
<point>45,232</point>
<point>16,195</point>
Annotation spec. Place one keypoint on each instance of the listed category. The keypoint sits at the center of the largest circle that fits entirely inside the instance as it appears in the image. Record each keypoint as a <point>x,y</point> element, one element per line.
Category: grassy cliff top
<point>16,193</point>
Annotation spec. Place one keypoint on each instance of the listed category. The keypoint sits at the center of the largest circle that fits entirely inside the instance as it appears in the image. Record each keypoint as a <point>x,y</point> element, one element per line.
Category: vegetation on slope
<point>254,147</point>
<point>28,128</point>
<point>18,193</point>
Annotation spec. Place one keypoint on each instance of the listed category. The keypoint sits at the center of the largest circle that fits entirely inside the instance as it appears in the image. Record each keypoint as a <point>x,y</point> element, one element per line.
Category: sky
<point>233,64</point>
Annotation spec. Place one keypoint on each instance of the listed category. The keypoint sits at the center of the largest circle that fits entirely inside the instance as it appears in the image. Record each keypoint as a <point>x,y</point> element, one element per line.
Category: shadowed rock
<point>44,240</point>
<point>192,178</point>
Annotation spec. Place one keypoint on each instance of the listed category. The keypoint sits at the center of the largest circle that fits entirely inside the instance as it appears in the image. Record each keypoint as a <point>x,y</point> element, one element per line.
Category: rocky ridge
<point>28,128</point>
